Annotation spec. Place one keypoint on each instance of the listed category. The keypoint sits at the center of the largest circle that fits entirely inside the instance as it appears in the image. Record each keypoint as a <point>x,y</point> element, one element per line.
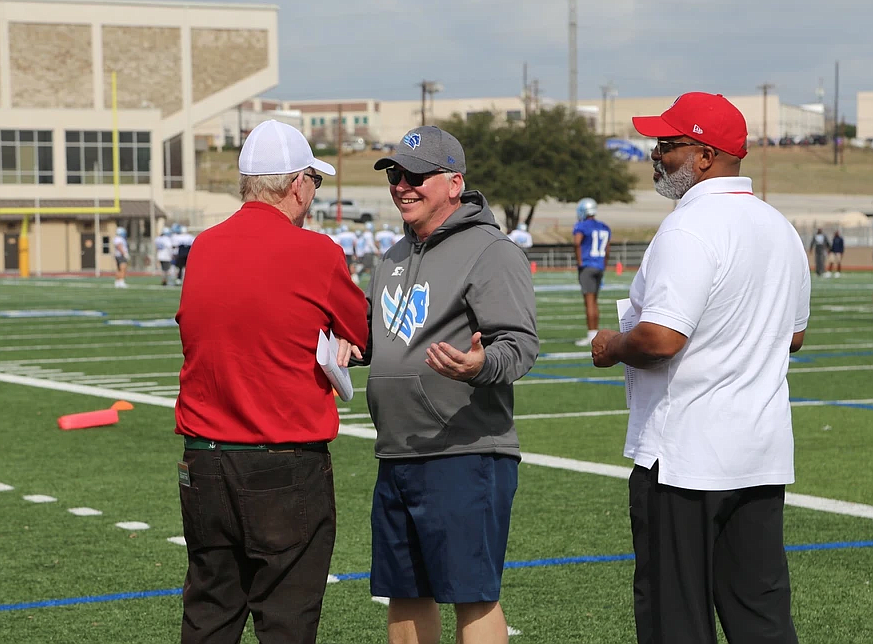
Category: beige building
<point>865,116</point>
<point>176,65</point>
<point>388,121</point>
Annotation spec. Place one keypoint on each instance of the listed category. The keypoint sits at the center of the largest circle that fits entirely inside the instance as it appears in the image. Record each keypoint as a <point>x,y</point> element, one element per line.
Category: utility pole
<point>836,111</point>
<point>609,92</point>
<point>573,58</point>
<point>423,101</point>
<point>764,88</point>
<point>339,162</point>
<point>605,90</point>
<point>431,88</point>
<point>535,90</point>
<point>525,89</point>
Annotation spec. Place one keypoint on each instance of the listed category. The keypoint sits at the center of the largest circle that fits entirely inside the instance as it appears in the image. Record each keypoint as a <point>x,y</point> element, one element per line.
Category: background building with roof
<point>176,65</point>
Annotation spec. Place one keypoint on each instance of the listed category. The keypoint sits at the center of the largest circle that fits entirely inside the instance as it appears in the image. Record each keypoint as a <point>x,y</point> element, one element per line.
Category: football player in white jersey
<point>346,239</point>
<point>385,239</point>
<point>398,234</point>
<point>122,256</point>
<point>164,248</point>
<point>521,237</point>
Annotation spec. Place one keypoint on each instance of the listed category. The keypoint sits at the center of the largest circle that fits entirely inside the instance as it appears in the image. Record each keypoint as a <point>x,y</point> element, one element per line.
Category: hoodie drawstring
<point>404,294</point>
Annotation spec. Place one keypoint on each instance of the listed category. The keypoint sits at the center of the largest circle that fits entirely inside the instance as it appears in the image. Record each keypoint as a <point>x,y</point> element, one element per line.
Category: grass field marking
<point>39,498</point>
<point>179,541</point>
<point>132,525</point>
<point>100,392</point>
<point>829,505</point>
<point>574,414</point>
<point>851,367</point>
<point>103,345</point>
<point>62,336</point>
<point>354,576</point>
<point>153,356</point>
<point>84,512</point>
<point>823,504</point>
<point>6,488</point>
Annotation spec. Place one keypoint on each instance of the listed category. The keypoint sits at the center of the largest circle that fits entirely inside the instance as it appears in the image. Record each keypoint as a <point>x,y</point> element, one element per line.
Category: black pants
<point>695,549</point>
<point>260,528</point>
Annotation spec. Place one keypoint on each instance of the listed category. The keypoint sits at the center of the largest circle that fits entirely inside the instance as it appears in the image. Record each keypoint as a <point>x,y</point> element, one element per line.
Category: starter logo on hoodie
<point>403,315</point>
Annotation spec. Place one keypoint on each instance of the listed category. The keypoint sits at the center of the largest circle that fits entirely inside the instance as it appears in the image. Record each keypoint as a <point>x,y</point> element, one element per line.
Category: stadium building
<point>175,66</point>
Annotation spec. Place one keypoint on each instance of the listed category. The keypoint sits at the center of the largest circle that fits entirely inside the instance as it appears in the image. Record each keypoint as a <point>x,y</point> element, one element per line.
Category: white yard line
<point>154,356</point>
<point>822,504</point>
<point>98,331</point>
<point>851,367</point>
<point>103,345</point>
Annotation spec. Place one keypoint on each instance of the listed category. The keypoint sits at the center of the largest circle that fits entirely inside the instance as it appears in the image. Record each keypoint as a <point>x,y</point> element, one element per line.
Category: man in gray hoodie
<point>453,322</point>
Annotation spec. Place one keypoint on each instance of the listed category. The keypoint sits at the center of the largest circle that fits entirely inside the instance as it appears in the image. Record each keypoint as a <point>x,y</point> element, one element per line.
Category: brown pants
<point>260,528</point>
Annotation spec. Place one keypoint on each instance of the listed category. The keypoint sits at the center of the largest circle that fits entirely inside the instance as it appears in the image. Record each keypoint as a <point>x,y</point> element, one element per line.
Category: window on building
<point>357,120</point>
<point>89,157</point>
<point>366,118</point>
<point>513,115</point>
<point>313,122</point>
<point>26,156</point>
<point>173,162</point>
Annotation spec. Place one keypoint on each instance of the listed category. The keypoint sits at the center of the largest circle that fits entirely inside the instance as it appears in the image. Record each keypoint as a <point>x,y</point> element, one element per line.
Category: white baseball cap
<point>278,148</point>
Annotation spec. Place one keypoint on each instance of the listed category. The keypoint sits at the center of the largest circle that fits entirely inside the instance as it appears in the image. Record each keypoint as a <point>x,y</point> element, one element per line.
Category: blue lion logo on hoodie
<point>412,312</point>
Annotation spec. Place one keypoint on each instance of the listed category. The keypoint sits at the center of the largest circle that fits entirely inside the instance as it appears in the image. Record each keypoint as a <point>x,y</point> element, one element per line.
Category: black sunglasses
<point>414,179</point>
<point>316,179</point>
<point>662,147</point>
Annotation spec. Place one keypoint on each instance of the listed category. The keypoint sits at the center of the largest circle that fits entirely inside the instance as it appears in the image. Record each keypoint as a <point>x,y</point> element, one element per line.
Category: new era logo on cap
<point>696,129</point>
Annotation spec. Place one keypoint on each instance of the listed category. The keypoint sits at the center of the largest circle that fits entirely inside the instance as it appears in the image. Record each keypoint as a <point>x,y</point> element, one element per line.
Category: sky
<point>382,49</point>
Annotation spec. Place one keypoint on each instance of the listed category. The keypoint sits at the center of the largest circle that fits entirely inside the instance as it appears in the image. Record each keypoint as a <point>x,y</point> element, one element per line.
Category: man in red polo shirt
<point>255,409</point>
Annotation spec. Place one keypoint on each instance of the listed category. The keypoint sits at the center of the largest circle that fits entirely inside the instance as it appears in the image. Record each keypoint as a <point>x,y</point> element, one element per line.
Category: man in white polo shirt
<point>722,296</point>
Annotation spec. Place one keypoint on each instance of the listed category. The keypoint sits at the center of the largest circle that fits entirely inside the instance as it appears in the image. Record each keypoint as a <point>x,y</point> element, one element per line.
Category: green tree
<point>552,154</point>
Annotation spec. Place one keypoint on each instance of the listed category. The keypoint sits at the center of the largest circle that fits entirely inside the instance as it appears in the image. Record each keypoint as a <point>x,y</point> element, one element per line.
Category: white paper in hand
<point>325,355</point>
<point>627,319</point>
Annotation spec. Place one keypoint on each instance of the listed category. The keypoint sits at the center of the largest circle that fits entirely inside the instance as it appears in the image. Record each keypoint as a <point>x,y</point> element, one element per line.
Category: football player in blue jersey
<point>591,239</point>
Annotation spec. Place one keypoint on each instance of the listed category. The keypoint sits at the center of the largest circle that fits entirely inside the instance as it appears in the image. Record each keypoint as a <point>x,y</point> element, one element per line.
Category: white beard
<point>674,186</point>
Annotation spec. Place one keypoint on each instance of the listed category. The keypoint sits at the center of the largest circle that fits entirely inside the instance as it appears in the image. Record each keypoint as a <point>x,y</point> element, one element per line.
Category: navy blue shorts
<point>440,527</point>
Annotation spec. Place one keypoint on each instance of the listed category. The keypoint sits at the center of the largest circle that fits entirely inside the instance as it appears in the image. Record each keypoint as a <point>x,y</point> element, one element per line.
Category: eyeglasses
<point>663,147</point>
<point>414,179</point>
<point>316,179</point>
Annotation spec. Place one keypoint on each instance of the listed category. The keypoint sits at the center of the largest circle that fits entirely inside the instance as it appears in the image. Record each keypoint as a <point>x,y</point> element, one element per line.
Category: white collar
<point>717,185</point>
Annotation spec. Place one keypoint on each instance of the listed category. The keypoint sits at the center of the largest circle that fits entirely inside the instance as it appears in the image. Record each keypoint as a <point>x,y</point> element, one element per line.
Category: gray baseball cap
<point>426,149</point>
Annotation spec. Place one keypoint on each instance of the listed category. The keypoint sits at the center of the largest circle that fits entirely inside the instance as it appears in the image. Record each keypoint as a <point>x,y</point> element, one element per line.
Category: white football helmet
<point>522,227</point>
<point>121,232</point>
<point>586,207</point>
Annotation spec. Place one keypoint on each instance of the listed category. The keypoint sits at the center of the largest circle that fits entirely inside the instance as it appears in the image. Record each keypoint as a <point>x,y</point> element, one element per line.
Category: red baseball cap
<point>708,118</point>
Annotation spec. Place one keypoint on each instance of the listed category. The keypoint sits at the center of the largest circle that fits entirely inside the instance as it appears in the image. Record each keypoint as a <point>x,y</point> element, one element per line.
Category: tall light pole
<point>573,58</point>
<point>764,88</point>
<point>428,88</point>
<point>836,111</point>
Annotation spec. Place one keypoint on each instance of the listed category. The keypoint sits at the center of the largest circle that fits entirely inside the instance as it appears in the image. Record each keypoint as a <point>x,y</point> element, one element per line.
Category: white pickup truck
<point>351,211</point>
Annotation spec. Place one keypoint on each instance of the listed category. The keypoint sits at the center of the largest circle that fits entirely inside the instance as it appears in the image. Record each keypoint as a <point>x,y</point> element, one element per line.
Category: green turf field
<point>68,578</point>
